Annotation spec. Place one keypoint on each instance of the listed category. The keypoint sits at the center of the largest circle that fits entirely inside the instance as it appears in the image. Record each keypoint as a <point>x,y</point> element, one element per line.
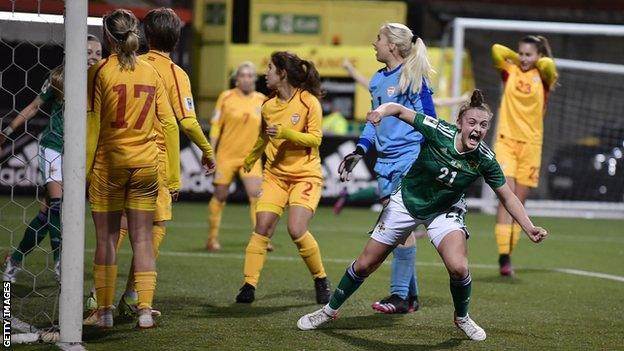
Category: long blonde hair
<point>412,49</point>
<point>121,27</point>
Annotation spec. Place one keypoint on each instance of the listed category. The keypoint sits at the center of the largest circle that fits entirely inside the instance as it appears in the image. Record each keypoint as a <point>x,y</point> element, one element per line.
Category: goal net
<point>39,303</point>
<point>582,164</point>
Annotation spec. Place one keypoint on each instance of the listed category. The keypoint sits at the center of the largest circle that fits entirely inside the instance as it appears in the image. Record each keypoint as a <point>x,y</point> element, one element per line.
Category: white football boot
<point>315,319</point>
<point>468,326</point>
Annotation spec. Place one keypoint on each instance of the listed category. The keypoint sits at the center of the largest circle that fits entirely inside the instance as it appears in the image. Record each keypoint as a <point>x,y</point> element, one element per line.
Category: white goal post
<point>564,208</point>
<point>73,212</point>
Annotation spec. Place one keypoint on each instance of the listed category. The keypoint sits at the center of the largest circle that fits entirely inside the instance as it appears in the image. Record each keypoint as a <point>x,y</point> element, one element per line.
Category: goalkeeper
<point>529,75</point>
<point>404,80</point>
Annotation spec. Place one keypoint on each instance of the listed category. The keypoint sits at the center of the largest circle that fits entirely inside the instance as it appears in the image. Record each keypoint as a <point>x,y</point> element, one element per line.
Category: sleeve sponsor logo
<point>431,122</point>
<point>188,102</point>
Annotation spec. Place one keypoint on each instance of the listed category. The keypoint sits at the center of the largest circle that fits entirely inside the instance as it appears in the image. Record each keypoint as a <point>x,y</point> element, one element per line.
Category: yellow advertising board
<point>320,22</point>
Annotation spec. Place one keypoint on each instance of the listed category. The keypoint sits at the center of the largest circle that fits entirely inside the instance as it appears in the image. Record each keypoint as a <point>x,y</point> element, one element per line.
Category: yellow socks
<point>311,254</point>
<point>158,234</point>
<point>145,284</point>
<point>503,238</point>
<point>123,233</point>
<point>253,201</point>
<point>516,233</point>
<point>255,255</point>
<point>215,209</point>
<point>105,279</point>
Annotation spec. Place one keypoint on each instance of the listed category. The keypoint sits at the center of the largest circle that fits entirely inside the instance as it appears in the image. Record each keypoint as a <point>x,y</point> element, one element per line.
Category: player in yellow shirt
<point>162,31</point>
<point>529,76</point>
<point>290,138</point>
<point>234,128</point>
<point>126,99</point>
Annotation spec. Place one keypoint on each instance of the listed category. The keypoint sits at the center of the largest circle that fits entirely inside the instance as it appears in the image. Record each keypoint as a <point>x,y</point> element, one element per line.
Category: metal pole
<point>74,158</point>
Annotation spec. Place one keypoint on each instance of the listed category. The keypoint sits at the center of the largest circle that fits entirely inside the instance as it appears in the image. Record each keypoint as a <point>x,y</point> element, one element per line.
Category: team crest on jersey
<point>189,103</point>
<point>259,110</point>
<point>473,164</point>
<point>536,79</point>
<point>390,91</point>
<point>295,118</point>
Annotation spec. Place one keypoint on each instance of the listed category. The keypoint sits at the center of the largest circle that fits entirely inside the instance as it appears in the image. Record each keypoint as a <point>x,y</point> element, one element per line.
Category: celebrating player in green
<point>432,194</point>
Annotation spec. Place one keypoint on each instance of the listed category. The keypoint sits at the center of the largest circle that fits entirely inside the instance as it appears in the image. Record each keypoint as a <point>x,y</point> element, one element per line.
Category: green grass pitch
<point>548,305</point>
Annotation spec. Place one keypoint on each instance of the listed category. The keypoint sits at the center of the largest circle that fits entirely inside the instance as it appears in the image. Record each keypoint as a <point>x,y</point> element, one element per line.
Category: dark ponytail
<point>299,73</point>
<point>477,101</point>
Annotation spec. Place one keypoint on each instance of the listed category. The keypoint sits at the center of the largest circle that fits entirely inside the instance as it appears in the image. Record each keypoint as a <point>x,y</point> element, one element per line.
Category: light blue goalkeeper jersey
<point>394,139</point>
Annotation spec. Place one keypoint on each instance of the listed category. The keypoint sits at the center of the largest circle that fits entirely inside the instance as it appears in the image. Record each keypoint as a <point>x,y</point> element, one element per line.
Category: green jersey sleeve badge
<point>430,122</point>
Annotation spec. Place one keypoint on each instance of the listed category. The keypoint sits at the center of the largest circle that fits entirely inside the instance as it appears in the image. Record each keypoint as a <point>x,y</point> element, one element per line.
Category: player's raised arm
<point>391,109</point>
<point>548,71</point>
<point>502,56</point>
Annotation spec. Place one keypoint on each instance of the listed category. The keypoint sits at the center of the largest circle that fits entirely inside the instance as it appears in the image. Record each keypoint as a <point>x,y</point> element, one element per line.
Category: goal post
<point>74,159</point>
<point>583,127</point>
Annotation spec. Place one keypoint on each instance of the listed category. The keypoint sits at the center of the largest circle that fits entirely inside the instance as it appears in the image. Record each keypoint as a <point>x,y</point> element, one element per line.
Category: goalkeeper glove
<point>348,164</point>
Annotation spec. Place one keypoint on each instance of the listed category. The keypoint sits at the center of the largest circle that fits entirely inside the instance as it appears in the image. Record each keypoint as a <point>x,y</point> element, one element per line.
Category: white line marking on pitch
<point>272,257</point>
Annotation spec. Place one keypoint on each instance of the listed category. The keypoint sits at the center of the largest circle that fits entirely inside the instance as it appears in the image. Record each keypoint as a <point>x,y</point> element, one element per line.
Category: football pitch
<point>567,294</point>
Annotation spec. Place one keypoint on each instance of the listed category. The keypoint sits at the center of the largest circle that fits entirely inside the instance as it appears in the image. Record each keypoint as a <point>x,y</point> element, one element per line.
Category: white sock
<point>330,311</point>
<point>462,319</point>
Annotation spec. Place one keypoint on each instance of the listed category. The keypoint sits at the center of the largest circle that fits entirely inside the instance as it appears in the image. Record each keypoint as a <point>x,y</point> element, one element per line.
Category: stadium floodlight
<point>582,161</point>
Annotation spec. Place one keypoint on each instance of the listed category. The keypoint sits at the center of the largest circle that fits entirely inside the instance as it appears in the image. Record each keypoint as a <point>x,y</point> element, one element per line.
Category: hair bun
<point>477,98</point>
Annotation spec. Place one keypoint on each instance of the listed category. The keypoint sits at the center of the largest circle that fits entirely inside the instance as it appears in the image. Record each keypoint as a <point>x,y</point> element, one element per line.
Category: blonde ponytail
<point>416,65</point>
<point>121,28</point>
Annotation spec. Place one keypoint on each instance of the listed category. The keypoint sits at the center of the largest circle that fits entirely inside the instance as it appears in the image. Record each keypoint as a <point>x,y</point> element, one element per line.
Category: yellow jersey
<point>122,109</point>
<point>521,114</point>
<point>294,152</point>
<point>178,88</point>
<point>236,124</point>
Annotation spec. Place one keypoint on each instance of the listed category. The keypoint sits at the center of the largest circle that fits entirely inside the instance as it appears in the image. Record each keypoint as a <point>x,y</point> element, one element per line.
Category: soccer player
<point>126,99</point>
<point>432,194</point>
<point>162,31</point>
<point>50,166</point>
<point>234,128</point>
<point>529,75</point>
<point>404,80</point>
<point>291,134</point>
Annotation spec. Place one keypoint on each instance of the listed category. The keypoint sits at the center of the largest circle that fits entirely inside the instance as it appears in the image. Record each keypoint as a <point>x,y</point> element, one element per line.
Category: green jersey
<point>52,136</point>
<point>441,174</point>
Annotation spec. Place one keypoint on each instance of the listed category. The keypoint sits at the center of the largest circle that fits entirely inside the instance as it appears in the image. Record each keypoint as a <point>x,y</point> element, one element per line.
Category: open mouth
<point>474,137</point>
